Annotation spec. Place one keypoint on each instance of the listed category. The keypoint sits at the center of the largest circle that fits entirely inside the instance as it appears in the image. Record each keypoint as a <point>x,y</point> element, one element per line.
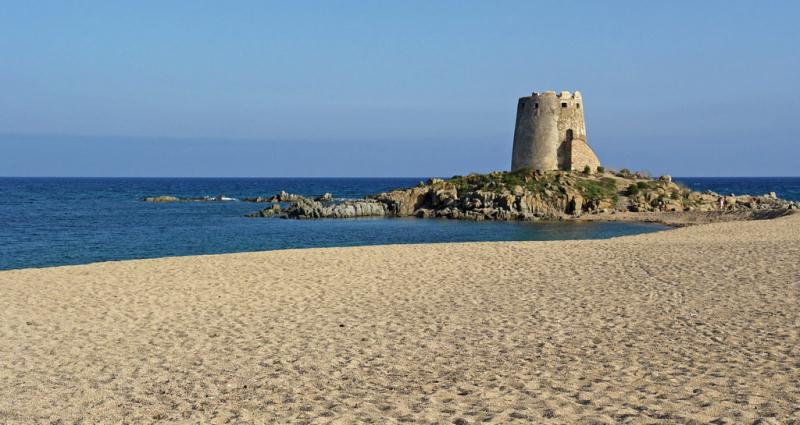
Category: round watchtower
<point>547,124</point>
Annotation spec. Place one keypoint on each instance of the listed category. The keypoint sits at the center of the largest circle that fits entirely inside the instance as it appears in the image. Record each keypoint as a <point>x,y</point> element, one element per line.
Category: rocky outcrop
<point>272,211</point>
<point>404,202</point>
<point>286,197</point>
<point>527,195</point>
<point>162,198</point>
<point>306,208</point>
<point>326,197</point>
<point>257,199</point>
<point>301,207</point>
<point>168,198</point>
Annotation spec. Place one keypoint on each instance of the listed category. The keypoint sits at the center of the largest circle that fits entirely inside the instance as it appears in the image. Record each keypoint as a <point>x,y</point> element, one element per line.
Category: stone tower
<point>550,133</point>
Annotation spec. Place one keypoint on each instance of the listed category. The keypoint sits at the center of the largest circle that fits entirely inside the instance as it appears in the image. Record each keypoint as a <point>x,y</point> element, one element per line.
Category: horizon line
<point>337,177</point>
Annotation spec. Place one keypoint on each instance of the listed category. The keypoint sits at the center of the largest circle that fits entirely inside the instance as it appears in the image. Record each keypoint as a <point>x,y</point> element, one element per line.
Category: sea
<point>64,221</point>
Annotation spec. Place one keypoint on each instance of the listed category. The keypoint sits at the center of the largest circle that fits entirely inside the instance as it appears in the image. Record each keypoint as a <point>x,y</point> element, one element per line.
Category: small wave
<point>217,198</point>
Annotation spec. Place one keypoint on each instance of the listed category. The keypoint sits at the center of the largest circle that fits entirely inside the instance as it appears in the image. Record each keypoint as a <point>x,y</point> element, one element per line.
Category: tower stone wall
<point>550,133</point>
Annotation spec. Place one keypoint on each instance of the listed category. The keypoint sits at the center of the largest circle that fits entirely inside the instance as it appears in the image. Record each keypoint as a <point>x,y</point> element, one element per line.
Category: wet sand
<point>691,325</point>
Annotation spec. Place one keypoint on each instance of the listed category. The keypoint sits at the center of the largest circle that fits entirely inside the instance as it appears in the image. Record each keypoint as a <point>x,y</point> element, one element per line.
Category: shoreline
<point>664,327</point>
<point>672,221</point>
<point>542,222</point>
<point>683,218</point>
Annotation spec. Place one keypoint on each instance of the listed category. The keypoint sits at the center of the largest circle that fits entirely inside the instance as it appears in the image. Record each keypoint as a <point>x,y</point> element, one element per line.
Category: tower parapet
<point>550,133</point>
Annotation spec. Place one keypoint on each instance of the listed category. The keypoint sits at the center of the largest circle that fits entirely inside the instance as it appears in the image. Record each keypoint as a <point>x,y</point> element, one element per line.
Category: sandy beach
<point>693,325</point>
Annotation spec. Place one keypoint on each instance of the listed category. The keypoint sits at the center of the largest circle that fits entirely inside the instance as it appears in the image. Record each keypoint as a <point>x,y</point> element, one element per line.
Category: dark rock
<point>518,415</point>
<point>326,197</point>
<point>424,213</point>
<point>258,199</point>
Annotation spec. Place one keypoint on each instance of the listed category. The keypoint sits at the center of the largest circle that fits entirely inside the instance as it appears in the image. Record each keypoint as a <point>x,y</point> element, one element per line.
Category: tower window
<point>578,105</point>
<point>521,106</point>
<point>535,106</point>
<point>564,104</point>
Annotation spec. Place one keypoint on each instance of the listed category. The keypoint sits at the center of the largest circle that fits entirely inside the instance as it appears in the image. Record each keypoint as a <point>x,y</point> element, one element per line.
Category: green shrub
<point>587,169</point>
<point>635,188</point>
<point>601,169</point>
<point>624,173</point>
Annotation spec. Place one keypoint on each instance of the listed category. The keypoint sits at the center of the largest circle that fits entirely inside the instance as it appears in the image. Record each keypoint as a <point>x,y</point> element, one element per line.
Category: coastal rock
<point>424,213</point>
<point>258,199</point>
<point>283,196</point>
<point>443,197</point>
<point>162,198</point>
<point>165,198</point>
<point>326,197</point>
<point>671,206</point>
<point>575,204</point>
<point>272,211</point>
<point>507,202</point>
<point>529,195</point>
<point>306,208</point>
<point>403,202</point>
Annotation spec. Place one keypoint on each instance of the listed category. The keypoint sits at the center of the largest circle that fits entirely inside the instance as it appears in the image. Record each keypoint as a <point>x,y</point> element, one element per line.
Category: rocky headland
<point>532,195</point>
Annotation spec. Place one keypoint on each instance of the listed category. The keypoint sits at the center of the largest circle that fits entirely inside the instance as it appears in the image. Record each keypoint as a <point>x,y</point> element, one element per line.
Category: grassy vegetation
<point>594,188</point>
<point>605,188</point>
<point>499,181</point>
<point>590,189</point>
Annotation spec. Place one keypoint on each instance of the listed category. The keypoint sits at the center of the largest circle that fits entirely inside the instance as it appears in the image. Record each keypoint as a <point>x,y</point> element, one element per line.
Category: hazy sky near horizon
<point>413,88</point>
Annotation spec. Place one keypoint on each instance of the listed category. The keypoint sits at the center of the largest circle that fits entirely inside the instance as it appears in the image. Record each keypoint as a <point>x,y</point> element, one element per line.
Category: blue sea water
<point>60,221</point>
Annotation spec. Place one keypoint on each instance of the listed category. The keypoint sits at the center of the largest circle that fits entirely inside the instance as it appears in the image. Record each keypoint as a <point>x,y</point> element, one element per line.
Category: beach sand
<point>692,325</point>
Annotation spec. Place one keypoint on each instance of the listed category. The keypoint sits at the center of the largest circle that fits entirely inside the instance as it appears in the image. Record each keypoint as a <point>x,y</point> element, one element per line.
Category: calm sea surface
<point>58,221</point>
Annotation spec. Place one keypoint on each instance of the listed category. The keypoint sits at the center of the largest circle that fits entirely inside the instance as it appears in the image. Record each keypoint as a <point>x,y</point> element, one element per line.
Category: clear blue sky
<point>412,88</point>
